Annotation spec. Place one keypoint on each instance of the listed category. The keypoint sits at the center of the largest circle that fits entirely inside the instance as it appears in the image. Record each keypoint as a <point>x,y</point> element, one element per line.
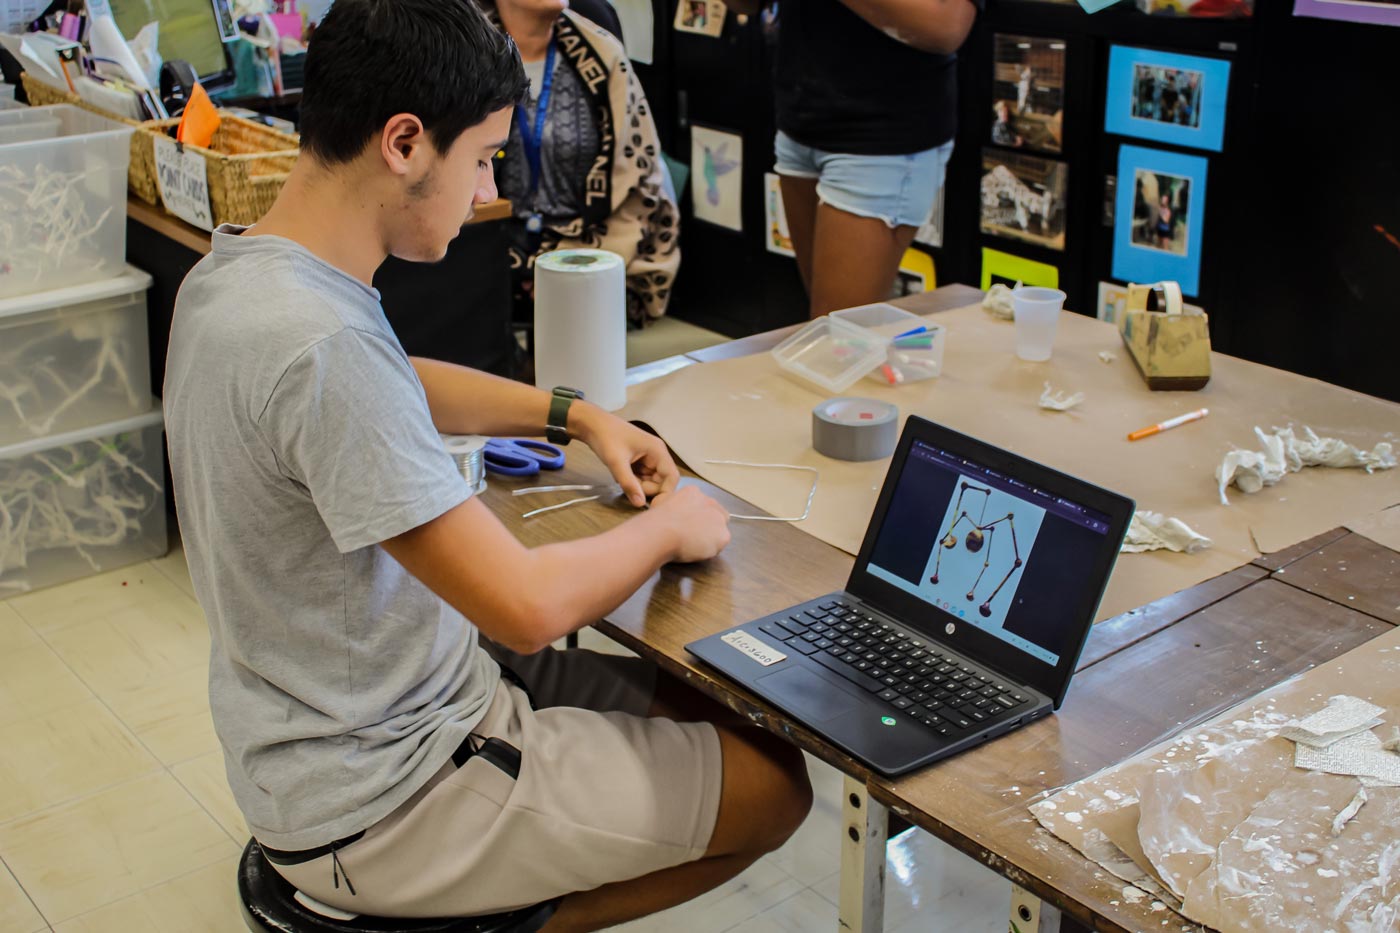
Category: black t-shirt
<point>844,86</point>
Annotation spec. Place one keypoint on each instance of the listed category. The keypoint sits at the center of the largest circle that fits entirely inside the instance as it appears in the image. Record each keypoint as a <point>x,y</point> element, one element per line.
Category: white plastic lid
<point>131,280</point>
<point>135,423</point>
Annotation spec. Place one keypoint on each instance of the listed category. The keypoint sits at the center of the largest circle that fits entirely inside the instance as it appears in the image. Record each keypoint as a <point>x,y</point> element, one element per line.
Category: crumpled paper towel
<point>1059,401</point>
<point>1153,531</point>
<point>998,302</point>
<point>1284,452</point>
<point>1108,356</point>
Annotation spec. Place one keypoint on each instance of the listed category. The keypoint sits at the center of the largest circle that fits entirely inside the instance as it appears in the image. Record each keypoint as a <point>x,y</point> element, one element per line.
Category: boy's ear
<point>402,134</point>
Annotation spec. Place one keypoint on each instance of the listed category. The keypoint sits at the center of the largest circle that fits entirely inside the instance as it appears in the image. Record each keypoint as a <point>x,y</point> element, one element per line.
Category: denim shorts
<point>898,189</point>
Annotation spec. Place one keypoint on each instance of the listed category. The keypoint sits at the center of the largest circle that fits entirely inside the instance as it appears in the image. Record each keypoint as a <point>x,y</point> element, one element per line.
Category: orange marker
<point>1169,424</point>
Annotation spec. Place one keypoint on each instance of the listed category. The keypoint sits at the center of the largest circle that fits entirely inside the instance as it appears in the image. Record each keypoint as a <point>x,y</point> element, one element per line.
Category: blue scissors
<point>520,457</point>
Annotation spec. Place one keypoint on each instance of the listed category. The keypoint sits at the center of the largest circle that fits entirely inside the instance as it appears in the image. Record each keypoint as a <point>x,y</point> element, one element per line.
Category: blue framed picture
<point>1160,217</point>
<point>1168,98</point>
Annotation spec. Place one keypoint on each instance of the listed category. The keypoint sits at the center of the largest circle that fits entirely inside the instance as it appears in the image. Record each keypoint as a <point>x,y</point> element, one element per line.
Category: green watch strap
<point>557,427</point>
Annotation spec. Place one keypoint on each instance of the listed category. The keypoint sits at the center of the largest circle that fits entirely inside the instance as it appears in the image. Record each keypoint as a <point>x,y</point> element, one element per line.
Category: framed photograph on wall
<point>1007,269</point>
<point>1113,298</point>
<point>1028,92</point>
<point>1167,97</point>
<point>1376,12</point>
<point>1023,197</point>
<point>1157,231</point>
<point>702,17</point>
<point>716,176</point>
<point>1208,9</point>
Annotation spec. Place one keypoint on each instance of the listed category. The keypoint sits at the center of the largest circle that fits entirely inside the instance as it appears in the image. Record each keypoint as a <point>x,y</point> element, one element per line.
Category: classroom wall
<point>1302,264</point>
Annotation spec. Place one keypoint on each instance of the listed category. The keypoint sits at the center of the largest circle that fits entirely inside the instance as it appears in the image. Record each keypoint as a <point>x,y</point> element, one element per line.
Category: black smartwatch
<point>556,430</point>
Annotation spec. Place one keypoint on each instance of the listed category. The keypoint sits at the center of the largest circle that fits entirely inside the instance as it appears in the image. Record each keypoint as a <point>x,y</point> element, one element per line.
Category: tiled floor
<point>667,336</point>
<point>115,815</point>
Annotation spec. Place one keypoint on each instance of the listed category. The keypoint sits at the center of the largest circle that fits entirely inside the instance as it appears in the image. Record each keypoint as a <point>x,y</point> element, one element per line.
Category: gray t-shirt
<point>299,439</point>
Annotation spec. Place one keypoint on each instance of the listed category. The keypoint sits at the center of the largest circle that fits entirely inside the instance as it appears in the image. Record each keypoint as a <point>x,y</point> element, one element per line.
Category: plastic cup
<point>1037,312</point>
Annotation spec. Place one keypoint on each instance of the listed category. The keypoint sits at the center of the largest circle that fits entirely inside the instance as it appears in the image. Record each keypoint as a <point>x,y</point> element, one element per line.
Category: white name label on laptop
<point>754,648</point>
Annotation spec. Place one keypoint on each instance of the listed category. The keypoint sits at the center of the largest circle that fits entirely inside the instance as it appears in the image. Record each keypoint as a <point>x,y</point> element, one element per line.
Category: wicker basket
<point>41,94</point>
<point>247,164</point>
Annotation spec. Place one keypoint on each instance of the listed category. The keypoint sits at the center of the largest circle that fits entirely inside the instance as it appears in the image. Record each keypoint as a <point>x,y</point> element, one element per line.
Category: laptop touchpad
<point>806,695</point>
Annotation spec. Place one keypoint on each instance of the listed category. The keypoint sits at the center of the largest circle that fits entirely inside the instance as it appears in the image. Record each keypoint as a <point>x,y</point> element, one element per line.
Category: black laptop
<point>964,616</point>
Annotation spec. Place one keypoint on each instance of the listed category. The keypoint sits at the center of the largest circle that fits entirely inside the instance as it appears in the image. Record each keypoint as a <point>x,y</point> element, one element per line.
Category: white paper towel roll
<point>581,324</point>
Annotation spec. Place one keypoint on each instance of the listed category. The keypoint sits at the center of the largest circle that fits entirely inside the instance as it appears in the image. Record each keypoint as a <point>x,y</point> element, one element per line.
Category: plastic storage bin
<point>63,203</point>
<point>918,356</point>
<point>74,357</point>
<point>831,353</point>
<point>79,503</point>
<point>24,124</point>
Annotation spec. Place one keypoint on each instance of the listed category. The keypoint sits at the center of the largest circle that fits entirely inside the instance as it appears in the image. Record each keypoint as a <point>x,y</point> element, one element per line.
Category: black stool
<point>269,904</point>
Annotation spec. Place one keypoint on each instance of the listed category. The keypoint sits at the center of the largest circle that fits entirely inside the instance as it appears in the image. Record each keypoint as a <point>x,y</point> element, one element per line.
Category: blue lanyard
<point>534,142</point>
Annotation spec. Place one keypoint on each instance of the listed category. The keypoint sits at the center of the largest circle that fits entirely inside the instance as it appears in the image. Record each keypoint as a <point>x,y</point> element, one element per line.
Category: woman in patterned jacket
<point>587,172</point>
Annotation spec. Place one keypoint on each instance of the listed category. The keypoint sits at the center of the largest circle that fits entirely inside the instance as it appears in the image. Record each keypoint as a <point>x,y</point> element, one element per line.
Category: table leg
<point>864,831</point>
<point>1029,914</point>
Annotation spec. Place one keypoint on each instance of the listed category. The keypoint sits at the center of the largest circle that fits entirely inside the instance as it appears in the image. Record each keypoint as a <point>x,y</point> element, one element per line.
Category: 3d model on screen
<point>983,534</point>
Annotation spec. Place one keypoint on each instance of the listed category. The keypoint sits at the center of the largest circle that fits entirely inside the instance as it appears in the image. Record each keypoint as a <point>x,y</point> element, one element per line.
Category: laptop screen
<point>990,550</point>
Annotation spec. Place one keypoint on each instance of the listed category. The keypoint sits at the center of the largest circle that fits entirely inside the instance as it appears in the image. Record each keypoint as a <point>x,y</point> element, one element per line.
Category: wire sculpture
<point>982,535</point>
<point>81,496</point>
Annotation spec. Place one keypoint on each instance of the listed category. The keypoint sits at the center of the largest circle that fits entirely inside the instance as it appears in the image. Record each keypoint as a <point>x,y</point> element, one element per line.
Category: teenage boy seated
<point>396,729</point>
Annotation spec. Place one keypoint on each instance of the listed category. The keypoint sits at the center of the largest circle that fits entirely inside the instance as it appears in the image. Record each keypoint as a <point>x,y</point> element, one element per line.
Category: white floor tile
<point>17,912</point>
<point>804,912</point>
<point>926,880</point>
<point>174,568</point>
<point>204,901</point>
<point>84,855</point>
<point>748,895</point>
<point>96,597</point>
<point>65,754</point>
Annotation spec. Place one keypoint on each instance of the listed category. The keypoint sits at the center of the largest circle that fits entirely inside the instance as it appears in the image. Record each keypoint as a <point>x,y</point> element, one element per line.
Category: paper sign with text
<point>184,183</point>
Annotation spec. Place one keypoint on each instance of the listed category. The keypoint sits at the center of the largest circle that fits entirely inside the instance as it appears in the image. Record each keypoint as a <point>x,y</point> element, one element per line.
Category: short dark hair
<point>441,60</point>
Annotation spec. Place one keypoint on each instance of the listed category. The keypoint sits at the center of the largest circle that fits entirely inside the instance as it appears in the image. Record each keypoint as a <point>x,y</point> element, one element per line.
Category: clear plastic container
<point>911,357</point>
<point>28,123</point>
<point>831,353</point>
<point>63,203</point>
<point>74,357</point>
<point>81,503</point>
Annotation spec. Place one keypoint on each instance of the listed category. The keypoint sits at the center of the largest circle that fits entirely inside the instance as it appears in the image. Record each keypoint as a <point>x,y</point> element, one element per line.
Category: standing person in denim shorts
<point>866,97</point>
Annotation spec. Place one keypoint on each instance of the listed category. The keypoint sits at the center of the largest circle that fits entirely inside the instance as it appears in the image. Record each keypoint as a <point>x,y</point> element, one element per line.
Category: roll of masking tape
<point>1169,297</point>
<point>467,452</point>
<point>855,428</point>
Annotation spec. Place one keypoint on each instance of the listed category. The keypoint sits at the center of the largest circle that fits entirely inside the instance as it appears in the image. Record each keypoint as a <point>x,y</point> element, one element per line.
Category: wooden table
<point>1143,676</point>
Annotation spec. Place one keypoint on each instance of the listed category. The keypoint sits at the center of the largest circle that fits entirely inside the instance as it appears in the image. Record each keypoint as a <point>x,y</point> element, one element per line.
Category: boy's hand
<point>637,460</point>
<point>700,524</point>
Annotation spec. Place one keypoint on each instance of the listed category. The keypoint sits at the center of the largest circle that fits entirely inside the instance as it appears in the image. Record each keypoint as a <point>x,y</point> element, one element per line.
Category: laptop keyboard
<point>910,674</point>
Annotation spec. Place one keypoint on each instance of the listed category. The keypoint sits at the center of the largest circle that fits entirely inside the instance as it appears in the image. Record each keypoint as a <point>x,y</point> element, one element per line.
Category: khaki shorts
<point>603,794</point>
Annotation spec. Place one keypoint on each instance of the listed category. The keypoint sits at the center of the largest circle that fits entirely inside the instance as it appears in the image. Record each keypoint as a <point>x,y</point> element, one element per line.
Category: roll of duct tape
<point>855,428</point>
<point>467,452</point>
